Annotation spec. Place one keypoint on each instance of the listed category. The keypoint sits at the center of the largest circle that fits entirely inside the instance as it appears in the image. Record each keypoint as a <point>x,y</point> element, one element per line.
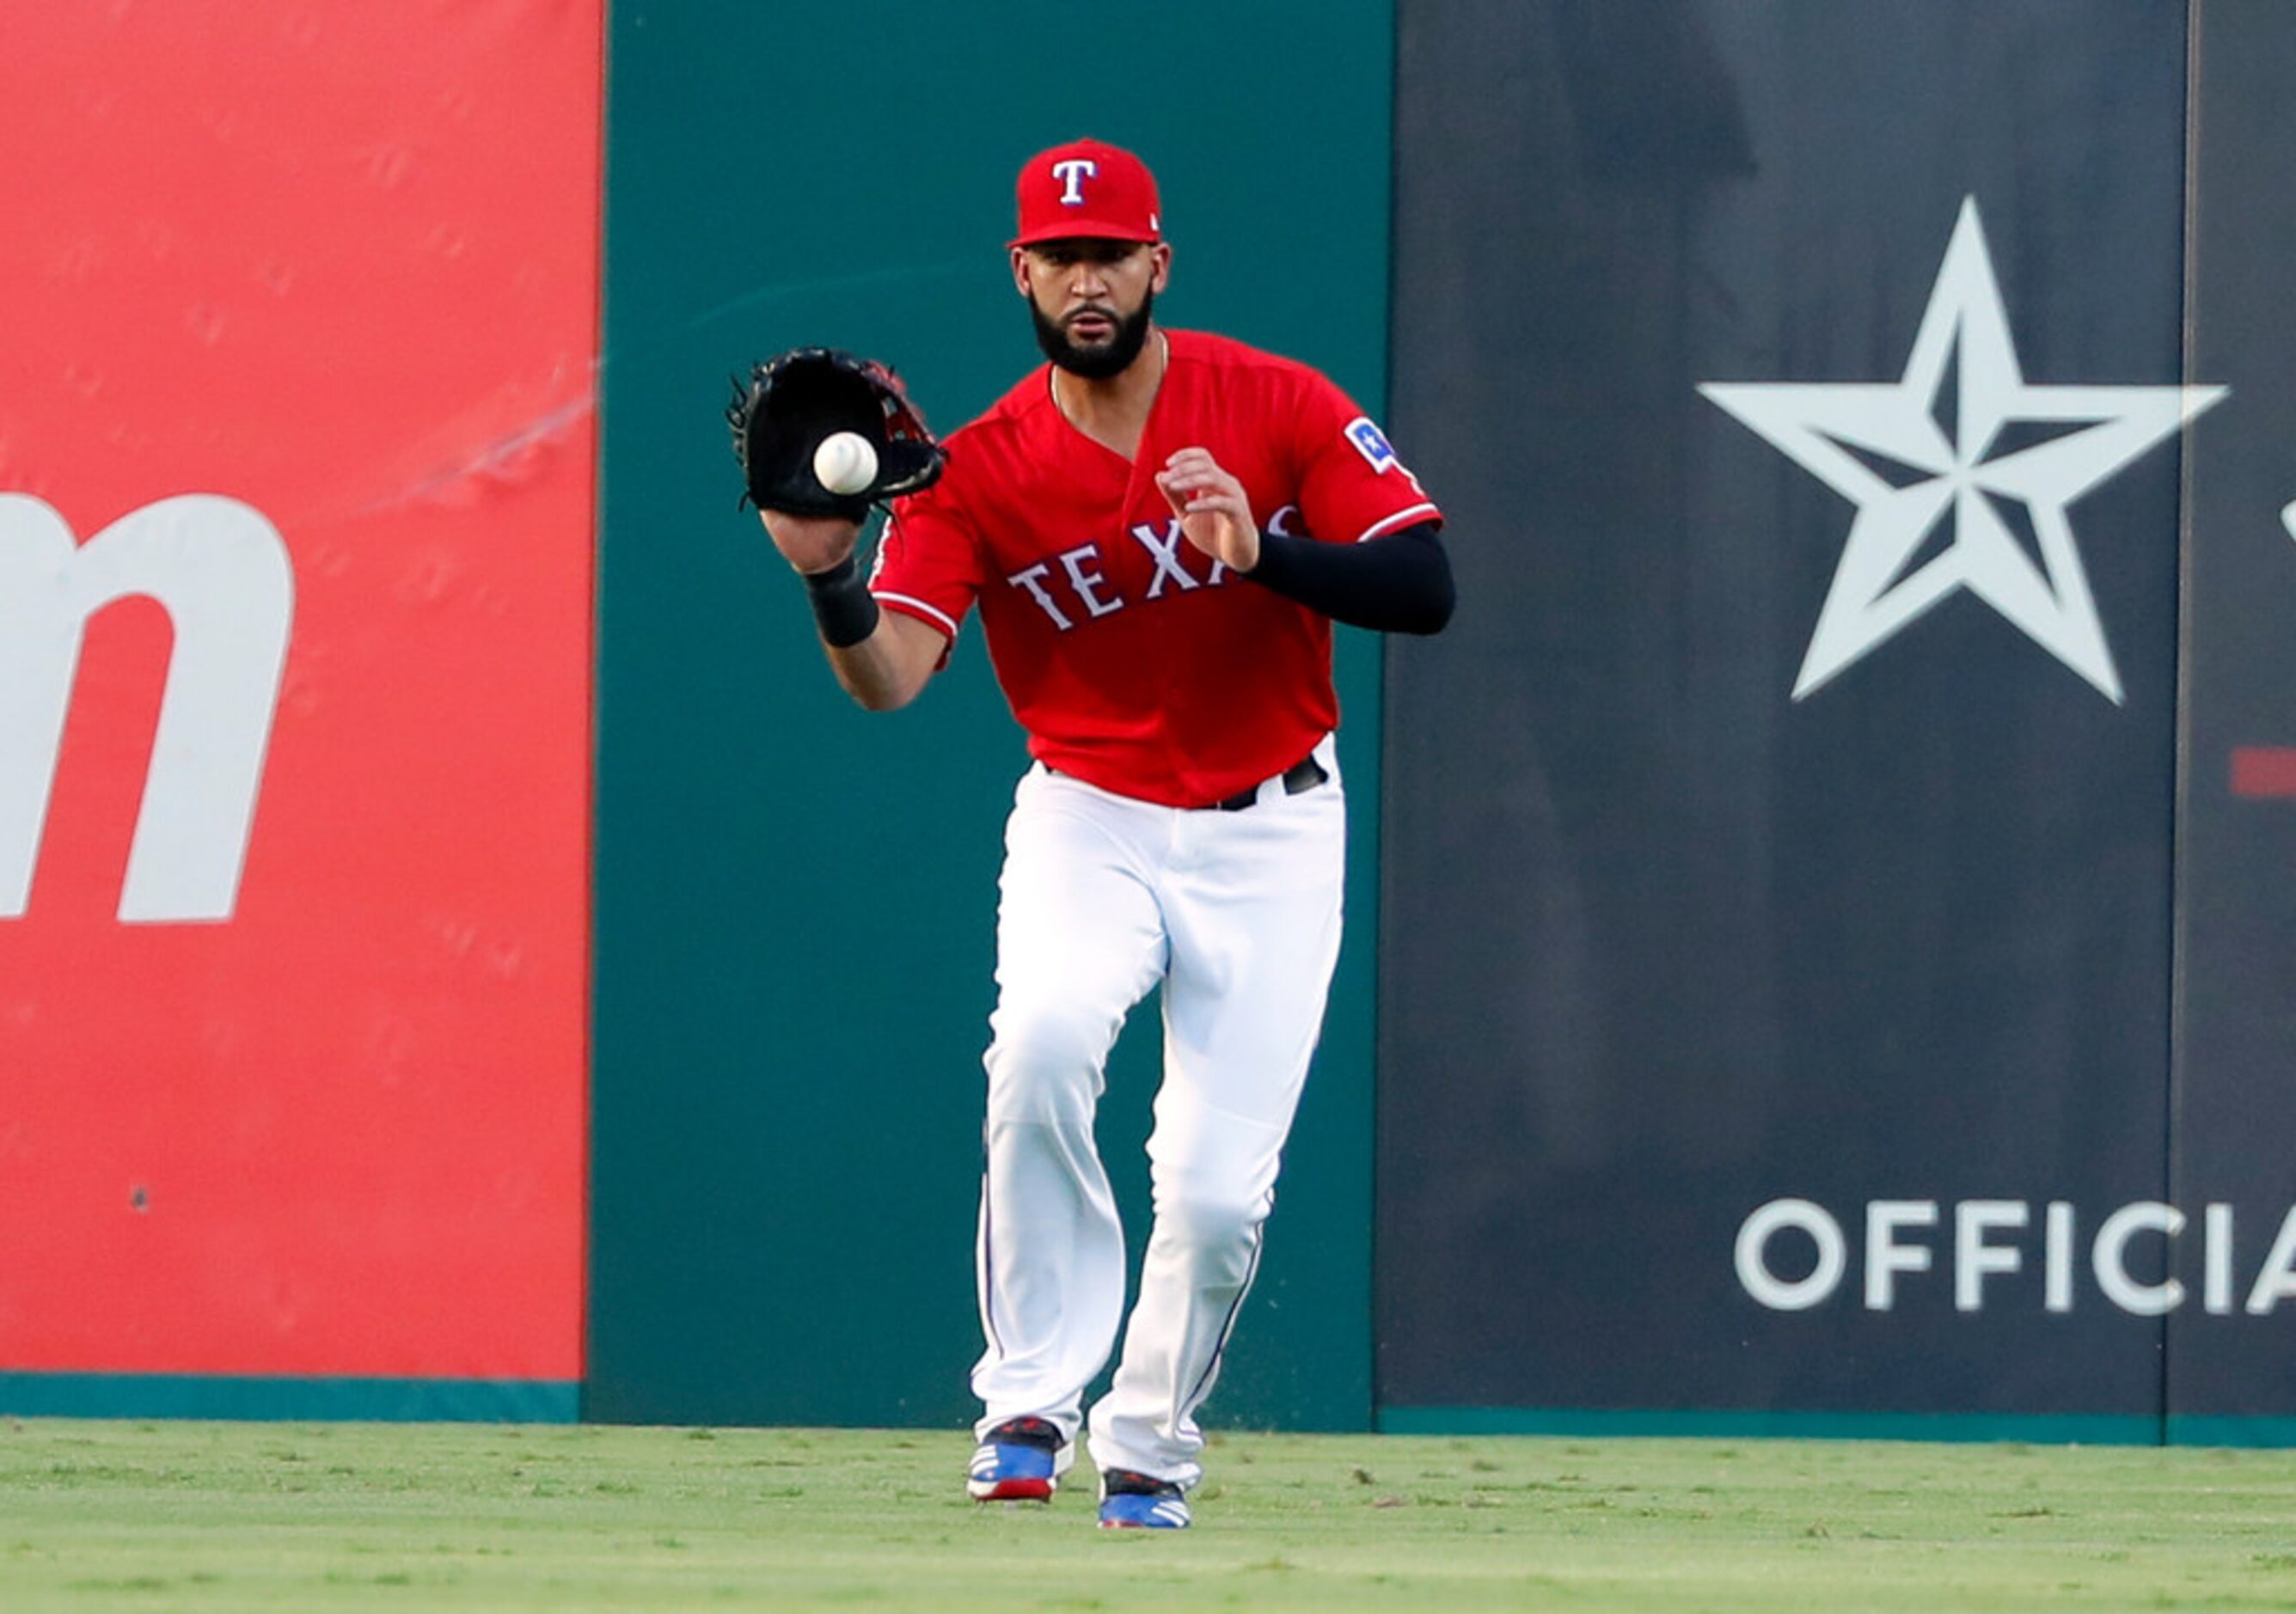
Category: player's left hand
<point>1214,510</point>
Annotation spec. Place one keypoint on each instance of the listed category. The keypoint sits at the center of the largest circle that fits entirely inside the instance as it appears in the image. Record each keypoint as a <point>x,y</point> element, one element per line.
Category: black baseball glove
<point>791,402</point>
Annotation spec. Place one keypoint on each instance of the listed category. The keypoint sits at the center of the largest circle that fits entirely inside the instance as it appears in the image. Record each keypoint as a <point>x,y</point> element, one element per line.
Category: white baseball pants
<point>1237,913</point>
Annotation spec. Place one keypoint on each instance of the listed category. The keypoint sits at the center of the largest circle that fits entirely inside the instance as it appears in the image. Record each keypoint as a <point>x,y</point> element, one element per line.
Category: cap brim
<point>1082,230</point>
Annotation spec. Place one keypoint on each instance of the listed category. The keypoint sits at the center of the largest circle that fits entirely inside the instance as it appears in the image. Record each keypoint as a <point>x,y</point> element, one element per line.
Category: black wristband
<point>842,604</point>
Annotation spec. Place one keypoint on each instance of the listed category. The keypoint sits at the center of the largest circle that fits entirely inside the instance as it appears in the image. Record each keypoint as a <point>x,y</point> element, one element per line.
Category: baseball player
<point>1158,529</point>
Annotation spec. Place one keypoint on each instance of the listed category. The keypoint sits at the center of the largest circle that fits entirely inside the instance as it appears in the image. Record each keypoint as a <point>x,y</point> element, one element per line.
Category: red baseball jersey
<point>1135,661</point>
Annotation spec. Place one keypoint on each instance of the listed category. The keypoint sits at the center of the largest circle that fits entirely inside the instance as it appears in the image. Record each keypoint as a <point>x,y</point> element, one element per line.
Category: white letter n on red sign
<point>222,573</point>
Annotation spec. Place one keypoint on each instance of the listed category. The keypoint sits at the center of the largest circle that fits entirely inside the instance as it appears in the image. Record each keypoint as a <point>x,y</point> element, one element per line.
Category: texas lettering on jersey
<point>1133,660</point>
<point>1170,553</point>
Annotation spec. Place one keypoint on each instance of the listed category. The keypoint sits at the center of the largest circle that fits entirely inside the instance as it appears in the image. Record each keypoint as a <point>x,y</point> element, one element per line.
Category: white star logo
<point>1960,435</point>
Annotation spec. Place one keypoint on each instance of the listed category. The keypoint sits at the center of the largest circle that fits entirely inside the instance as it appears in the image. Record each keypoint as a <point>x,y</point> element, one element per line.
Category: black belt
<point>1302,776</point>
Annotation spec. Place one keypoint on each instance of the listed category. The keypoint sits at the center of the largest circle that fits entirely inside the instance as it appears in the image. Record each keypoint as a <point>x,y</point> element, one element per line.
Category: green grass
<point>167,1516</point>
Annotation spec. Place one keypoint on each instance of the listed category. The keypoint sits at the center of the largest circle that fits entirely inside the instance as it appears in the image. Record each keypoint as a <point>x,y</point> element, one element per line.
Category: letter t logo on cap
<point>1072,174</point>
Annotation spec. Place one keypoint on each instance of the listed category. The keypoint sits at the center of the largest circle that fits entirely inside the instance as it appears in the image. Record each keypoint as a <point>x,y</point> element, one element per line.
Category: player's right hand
<point>810,544</point>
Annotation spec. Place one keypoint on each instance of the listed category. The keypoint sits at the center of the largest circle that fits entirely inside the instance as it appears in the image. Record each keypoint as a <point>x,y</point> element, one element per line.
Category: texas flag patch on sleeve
<point>1371,443</point>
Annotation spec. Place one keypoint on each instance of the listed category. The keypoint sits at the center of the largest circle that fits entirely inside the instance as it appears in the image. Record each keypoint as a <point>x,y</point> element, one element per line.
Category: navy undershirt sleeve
<point>1400,583</point>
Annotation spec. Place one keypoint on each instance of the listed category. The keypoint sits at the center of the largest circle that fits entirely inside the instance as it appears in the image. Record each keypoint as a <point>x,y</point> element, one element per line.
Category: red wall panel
<point>333,266</point>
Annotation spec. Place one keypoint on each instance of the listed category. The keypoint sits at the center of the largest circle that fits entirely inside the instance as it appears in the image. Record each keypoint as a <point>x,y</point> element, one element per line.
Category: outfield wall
<point>1819,933</point>
<point>299,325</point>
<point>1887,1019</point>
<point>796,901</point>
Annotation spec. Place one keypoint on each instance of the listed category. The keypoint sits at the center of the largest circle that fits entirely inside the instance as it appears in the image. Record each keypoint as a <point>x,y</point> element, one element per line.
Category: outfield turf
<point>163,1516</point>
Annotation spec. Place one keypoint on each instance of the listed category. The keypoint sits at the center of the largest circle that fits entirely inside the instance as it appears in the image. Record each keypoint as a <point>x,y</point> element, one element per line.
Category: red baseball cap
<point>1087,189</point>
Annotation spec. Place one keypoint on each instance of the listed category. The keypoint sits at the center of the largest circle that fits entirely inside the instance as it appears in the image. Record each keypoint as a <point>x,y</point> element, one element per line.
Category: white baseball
<point>845,463</point>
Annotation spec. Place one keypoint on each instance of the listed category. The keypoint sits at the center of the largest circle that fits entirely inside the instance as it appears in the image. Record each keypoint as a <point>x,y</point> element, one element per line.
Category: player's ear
<point>1020,270</point>
<point>1161,266</point>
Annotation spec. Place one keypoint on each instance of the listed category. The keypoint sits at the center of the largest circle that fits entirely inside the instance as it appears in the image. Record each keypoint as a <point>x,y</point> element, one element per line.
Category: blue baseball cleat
<point>1129,1501</point>
<point>1021,1460</point>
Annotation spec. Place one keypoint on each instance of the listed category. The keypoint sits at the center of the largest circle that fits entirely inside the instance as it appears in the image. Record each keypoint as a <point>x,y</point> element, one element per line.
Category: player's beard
<point>1099,363</point>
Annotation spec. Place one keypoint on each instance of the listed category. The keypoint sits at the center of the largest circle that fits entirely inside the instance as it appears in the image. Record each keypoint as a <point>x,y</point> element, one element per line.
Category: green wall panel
<point>795,898</point>
<point>284,1397</point>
